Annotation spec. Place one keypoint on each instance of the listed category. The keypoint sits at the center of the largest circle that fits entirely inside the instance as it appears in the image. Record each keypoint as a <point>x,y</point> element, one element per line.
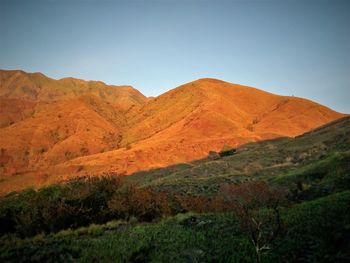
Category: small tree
<point>257,208</point>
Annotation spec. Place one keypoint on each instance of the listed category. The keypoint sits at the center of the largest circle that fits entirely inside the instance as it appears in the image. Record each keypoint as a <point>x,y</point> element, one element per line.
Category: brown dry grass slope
<point>189,121</point>
<point>58,129</point>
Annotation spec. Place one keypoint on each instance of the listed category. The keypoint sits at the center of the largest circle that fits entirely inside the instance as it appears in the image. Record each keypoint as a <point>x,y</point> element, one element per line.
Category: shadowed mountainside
<point>322,151</point>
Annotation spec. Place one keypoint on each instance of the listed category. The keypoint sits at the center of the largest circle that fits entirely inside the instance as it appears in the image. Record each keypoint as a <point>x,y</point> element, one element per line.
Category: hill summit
<point>53,130</point>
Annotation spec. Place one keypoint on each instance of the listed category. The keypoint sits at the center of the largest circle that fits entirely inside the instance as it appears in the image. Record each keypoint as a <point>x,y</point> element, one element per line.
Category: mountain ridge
<point>71,127</point>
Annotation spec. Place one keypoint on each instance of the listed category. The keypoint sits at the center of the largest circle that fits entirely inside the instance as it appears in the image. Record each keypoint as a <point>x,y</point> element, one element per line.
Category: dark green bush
<point>57,207</point>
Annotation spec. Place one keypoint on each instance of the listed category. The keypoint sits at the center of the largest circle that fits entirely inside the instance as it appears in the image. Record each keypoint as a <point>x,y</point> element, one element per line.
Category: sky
<point>299,48</point>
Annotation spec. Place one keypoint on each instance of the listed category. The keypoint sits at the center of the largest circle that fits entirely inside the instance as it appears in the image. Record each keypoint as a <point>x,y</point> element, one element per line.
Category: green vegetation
<point>317,179</point>
<point>78,203</point>
<point>317,231</point>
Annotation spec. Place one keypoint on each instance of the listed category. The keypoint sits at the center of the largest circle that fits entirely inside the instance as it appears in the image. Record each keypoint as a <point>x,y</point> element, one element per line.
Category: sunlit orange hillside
<point>57,129</point>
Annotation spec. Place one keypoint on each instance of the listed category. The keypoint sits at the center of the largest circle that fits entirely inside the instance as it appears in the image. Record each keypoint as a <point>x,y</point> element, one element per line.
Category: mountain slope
<point>59,131</point>
<point>66,128</point>
<point>45,121</point>
<point>212,105</point>
<point>191,120</point>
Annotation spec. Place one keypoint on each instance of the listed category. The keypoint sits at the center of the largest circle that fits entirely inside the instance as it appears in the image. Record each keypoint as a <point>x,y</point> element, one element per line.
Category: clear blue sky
<point>299,48</point>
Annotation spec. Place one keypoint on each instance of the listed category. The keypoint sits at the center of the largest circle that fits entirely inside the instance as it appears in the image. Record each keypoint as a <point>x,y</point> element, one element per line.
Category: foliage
<point>328,175</point>
<point>57,207</point>
<point>144,204</point>
<point>317,231</point>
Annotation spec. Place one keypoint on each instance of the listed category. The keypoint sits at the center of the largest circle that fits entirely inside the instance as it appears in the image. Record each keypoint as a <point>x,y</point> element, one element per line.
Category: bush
<point>144,204</point>
<point>227,151</point>
<point>57,207</point>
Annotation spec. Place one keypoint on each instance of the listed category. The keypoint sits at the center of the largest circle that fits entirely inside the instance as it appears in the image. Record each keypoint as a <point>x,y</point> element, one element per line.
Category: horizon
<point>117,85</point>
<point>291,48</point>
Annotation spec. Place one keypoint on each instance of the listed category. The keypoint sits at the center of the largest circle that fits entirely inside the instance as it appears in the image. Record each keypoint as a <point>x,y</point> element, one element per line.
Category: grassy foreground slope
<point>317,231</point>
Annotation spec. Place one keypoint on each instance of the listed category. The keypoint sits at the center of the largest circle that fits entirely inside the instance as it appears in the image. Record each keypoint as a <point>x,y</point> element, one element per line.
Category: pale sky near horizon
<point>299,48</point>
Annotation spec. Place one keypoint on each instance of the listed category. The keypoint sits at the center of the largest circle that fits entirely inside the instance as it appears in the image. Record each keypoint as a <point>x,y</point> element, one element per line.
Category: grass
<point>320,178</point>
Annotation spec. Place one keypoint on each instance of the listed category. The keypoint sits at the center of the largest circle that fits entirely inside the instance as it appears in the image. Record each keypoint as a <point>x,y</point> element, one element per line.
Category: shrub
<point>227,151</point>
<point>142,203</point>
<point>57,207</point>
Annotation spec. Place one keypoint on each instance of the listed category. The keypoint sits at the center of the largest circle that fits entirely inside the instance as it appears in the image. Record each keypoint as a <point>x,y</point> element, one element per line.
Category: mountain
<point>191,120</point>
<point>52,130</point>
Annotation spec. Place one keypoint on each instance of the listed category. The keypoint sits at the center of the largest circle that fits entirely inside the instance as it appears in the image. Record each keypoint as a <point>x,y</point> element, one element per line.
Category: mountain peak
<point>209,80</point>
